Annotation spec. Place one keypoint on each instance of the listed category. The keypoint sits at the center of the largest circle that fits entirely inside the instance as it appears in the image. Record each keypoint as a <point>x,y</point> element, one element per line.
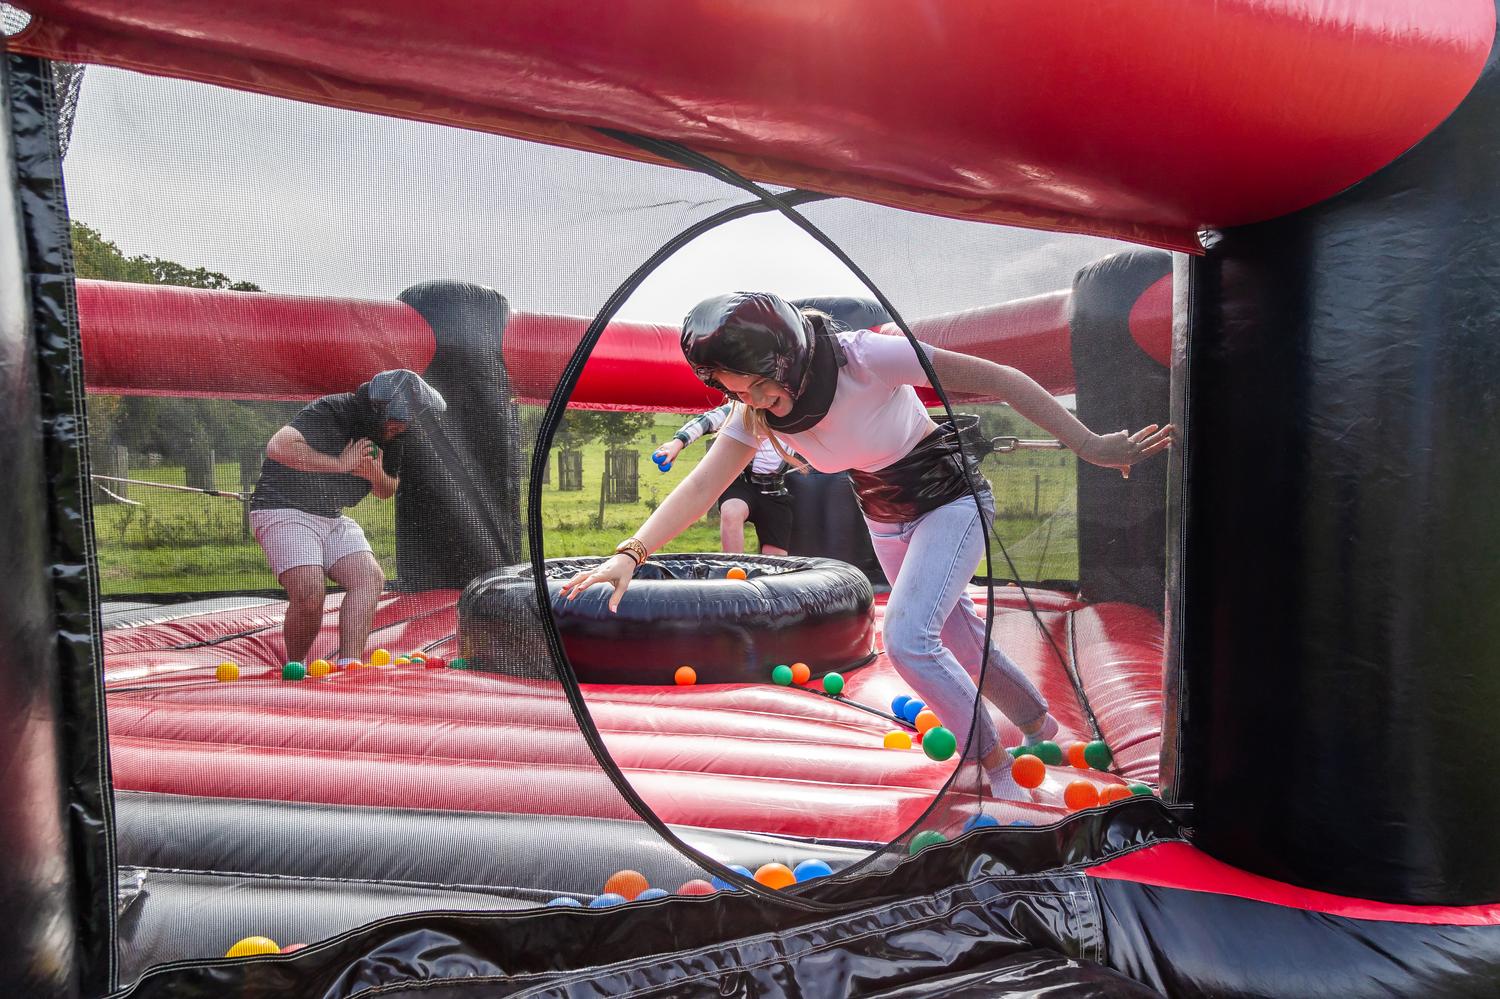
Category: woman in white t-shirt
<point>846,402</point>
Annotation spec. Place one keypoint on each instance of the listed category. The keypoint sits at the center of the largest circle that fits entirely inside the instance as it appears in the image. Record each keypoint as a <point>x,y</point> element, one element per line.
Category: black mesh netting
<point>241,258</point>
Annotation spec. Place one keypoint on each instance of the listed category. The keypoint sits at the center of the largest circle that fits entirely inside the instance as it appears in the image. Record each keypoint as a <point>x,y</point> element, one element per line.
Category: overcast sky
<point>303,199</point>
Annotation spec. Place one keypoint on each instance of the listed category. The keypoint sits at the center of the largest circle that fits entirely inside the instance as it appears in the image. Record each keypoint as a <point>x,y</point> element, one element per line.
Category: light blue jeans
<point>934,635</point>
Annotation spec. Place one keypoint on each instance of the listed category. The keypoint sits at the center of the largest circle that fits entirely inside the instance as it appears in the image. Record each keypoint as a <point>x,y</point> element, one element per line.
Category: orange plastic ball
<point>1075,755</point>
<point>801,673</point>
<point>1080,794</point>
<point>898,740</point>
<point>354,664</point>
<point>685,676</point>
<point>1029,771</point>
<point>925,720</point>
<point>1113,792</point>
<point>736,573</point>
<point>627,883</point>
<point>776,876</point>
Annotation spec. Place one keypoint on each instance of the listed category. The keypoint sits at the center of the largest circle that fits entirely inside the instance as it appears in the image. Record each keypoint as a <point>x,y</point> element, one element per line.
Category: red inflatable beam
<point>1145,120</point>
<point>156,340</point>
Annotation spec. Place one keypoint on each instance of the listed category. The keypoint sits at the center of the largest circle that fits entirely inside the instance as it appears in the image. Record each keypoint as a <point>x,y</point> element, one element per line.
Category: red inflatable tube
<point>1146,120</point>
<point>157,340</point>
<point>160,340</point>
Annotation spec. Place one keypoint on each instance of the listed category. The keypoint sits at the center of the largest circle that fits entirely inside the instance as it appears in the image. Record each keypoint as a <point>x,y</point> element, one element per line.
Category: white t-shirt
<point>767,460</point>
<point>876,417</point>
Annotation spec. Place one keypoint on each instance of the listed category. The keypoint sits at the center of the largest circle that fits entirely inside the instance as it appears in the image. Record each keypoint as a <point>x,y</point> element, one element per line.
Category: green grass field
<point>183,543</point>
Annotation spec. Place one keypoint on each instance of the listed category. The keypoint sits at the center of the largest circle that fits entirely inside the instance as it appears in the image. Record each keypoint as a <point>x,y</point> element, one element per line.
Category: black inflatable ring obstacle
<point>680,610</point>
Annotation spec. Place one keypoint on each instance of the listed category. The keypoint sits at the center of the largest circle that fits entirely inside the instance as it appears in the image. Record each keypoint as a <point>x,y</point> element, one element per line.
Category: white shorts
<point>291,538</point>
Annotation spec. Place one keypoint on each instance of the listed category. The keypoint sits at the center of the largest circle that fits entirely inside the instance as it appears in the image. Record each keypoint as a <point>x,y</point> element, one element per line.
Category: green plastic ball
<point>1049,753</point>
<point>459,663</point>
<point>939,743</point>
<point>782,675</point>
<point>1016,752</point>
<point>1142,790</point>
<point>1098,755</point>
<point>1021,751</point>
<point>293,671</point>
<point>834,683</point>
<point>924,839</point>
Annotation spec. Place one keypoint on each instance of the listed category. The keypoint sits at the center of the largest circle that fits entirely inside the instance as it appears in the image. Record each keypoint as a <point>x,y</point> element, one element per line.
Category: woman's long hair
<point>755,422</point>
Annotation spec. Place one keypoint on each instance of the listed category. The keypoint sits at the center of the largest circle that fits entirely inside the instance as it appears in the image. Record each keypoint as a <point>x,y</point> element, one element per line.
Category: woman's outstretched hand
<point>1121,449</point>
<point>616,571</point>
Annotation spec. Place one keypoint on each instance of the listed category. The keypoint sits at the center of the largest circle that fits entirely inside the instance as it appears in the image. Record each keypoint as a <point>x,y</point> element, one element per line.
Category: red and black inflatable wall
<point>1342,564</point>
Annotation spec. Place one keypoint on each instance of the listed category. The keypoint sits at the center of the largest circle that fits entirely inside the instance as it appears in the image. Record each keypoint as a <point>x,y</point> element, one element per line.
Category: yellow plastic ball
<point>251,946</point>
<point>402,661</point>
<point>319,667</point>
<point>227,673</point>
<point>380,657</point>
<point>897,740</point>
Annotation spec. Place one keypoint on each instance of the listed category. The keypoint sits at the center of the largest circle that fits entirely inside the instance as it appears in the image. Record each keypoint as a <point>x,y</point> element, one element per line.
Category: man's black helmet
<point>402,395</point>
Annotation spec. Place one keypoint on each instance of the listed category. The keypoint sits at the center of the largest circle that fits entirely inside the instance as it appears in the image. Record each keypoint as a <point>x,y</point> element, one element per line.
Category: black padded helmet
<point>403,396</point>
<point>752,333</point>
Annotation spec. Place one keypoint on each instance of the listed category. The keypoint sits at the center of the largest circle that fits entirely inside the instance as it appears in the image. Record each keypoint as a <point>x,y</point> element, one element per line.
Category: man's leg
<point>363,580</point>
<point>732,516</point>
<point>772,518</point>
<point>304,609</point>
<point>293,543</point>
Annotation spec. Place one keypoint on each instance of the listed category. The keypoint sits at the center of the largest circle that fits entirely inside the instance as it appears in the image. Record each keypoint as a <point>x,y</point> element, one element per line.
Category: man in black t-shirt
<point>333,454</point>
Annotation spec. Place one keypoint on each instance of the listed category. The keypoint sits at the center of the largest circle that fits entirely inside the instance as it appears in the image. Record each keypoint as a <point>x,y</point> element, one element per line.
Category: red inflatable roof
<point>1144,120</point>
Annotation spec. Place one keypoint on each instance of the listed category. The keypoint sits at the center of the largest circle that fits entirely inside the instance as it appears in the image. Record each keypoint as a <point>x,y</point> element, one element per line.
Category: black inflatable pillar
<point>1122,525</point>
<point>56,882</point>
<point>458,511</point>
<point>1340,656</point>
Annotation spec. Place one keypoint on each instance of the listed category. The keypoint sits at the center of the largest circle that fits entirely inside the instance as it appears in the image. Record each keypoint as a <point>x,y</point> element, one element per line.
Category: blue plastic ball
<point>723,885</point>
<point>1022,822</point>
<point>809,869</point>
<point>899,705</point>
<point>981,821</point>
<point>606,900</point>
<point>564,902</point>
<point>912,709</point>
<point>651,893</point>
